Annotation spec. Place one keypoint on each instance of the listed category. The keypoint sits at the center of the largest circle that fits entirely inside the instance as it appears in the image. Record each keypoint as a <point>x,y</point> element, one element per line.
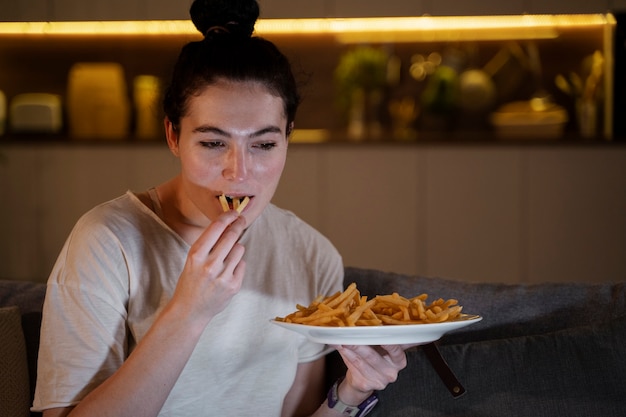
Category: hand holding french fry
<point>214,269</point>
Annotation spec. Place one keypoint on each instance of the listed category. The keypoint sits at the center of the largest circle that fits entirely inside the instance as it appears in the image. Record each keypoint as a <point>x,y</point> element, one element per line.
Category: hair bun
<point>234,16</point>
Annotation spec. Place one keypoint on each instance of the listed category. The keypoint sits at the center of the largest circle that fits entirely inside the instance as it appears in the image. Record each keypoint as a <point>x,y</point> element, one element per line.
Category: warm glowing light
<point>144,27</point>
<point>349,30</point>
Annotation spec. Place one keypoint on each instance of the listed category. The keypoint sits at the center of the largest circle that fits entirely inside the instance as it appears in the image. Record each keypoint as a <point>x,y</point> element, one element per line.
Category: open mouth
<point>233,203</point>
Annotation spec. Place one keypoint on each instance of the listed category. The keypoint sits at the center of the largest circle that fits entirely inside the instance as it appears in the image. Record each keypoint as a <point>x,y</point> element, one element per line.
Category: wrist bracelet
<point>363,409</point>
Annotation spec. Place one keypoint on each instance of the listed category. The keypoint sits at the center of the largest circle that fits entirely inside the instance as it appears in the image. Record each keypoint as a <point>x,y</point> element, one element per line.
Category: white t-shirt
<point>119,268</point>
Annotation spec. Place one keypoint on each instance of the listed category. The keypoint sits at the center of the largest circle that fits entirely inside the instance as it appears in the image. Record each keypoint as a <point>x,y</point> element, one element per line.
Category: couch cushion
<point>508,310</point>
<point>26,295</point>
<point>14,384</point>
<point>574,372</point>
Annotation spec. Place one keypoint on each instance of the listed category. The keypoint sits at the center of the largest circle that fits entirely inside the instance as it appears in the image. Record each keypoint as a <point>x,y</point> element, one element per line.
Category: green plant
<point>364,68</point>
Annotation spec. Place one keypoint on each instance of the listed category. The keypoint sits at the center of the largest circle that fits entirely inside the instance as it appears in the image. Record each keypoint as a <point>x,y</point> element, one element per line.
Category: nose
<point>235,166</point>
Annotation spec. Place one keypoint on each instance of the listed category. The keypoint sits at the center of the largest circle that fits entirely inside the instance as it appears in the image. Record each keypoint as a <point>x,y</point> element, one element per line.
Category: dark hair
<point>228,51</point>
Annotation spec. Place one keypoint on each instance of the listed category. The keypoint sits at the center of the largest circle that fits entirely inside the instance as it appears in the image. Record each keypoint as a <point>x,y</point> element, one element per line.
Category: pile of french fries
<point>349,308</point>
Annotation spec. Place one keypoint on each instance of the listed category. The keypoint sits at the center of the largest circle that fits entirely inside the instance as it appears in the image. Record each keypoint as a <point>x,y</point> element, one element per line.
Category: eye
<point>212,144</point>
<point>265,146</point>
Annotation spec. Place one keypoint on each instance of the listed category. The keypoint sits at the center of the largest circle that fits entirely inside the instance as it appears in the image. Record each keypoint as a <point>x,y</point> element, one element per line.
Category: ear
<point>290,130</point>
<point>172,136</point>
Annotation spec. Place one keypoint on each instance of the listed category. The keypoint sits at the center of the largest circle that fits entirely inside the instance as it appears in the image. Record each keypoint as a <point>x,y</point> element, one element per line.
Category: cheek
<point>277,167</point>
<point>273,171</point>
<point>197,169</point>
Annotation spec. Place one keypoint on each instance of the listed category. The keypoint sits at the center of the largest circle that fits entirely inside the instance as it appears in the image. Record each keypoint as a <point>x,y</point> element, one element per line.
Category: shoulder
<point>120,214</point>
<point>94,252</point>
<point>107,243</point>
<point>110,228</point>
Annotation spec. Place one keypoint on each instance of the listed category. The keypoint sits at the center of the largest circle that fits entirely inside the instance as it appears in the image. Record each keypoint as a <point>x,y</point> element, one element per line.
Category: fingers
<point>214,269</point>
<point>219,239</point>
<point>410,345</point>
<point>234,264</point>
<point>396,355</point>
<point>372,367</point>
<point>217,253</point>
<point>392,356</point>
<point>225,230</point>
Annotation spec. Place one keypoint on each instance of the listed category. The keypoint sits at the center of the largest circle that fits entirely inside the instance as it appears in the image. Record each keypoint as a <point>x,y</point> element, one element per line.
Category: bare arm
<point>212,274</point>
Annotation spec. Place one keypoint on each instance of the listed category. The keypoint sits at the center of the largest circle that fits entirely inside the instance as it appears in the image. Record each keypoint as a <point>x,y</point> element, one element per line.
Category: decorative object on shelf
<point>519,120</point>
<point>441,94</point>
<point>146,94</point>
<point>586,90</point>
<point>456,88</point>
<point>36,113</point>
<point>477,91</point>
<point>403,111</point>
<point>361,77</point>
<point>97,101</point>
<point>587,117</point>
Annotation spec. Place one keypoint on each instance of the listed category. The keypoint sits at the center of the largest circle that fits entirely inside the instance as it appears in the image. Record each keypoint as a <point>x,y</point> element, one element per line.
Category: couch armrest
<point>14,379</point>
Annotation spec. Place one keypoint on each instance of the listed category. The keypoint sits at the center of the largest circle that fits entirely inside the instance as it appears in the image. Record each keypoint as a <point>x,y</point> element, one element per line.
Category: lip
<point>231,196</point>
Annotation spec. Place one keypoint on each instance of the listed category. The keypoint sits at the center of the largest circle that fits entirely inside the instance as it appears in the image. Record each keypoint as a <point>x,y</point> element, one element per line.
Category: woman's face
<point>232,140</point>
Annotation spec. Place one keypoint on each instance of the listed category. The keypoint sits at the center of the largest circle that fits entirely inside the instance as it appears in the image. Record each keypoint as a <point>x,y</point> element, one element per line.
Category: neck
<point>177,212</point>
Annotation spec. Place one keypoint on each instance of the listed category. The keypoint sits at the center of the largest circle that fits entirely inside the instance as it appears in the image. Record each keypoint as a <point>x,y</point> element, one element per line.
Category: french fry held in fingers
<point>349,308</point>
<point>241,204</point>
<point>238,203</point>
<point>224,203</point>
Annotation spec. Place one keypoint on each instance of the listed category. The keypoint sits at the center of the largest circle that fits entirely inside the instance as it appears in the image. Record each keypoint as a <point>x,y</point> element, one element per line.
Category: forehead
<point>226,88</point>
<point>225,92</point>
<point>236,105</point>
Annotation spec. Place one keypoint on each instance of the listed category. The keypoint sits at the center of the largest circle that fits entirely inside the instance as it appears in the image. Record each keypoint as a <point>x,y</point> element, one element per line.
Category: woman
<point>159,303</point>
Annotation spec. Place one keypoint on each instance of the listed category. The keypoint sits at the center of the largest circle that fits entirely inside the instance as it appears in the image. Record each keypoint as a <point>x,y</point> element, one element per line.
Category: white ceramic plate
<point>380,335</point>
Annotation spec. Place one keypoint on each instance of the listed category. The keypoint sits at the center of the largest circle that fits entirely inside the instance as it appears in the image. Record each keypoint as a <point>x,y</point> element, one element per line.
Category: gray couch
<point>540,350</point>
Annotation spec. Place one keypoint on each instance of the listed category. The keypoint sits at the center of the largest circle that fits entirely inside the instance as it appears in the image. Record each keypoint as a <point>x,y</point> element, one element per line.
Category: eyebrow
<point>218,131</point>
